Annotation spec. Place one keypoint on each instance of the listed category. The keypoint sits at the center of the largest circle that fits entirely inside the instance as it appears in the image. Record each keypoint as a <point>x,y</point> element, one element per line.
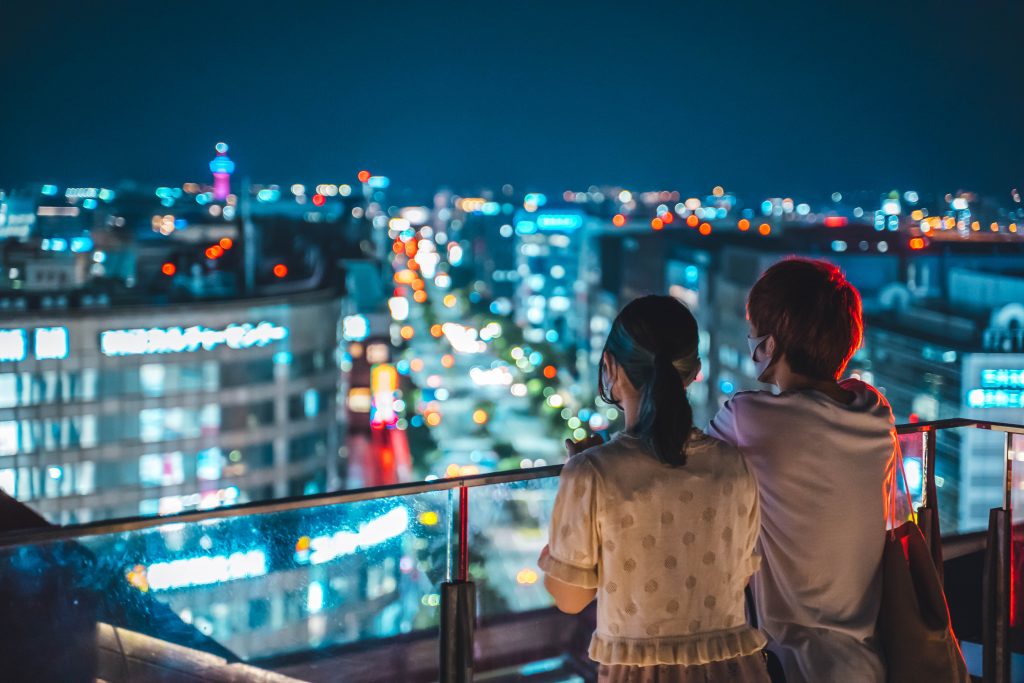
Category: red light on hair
<point>363,176</point>
<point>917,243</point>
<point>618,220</point>
<point>168,269</point>
<point>836,221</point>
<point>280,270</point>
<point>657,224</point>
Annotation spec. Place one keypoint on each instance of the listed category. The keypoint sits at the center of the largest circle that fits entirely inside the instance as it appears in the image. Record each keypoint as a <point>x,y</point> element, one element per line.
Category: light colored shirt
<point>669,550</point>
<point>820,467</point>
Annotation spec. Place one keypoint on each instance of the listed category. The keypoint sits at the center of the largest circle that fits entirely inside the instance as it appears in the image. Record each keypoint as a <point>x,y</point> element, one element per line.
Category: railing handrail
<point>72,531</point>
<point>956,422</point>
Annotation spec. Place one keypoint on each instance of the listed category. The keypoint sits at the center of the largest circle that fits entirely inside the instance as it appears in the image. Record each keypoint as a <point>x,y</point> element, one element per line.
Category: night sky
<point>549,95</point>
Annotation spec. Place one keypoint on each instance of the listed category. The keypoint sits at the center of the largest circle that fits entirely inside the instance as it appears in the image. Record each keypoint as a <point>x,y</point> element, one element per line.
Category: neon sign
<point>559,221</point>
<point>181,340</point>
<point>1002,378</point>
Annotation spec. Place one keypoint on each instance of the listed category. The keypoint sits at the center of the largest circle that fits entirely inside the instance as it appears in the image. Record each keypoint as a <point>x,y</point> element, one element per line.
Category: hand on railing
<point>577,447</point>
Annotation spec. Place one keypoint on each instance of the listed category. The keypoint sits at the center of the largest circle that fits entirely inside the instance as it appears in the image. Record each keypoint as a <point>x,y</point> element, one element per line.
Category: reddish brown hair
<point>812,311</point>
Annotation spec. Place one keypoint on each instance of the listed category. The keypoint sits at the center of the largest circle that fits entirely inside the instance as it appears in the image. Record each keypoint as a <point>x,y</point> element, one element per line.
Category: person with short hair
<point>820,449</point>
<point>659,523</point>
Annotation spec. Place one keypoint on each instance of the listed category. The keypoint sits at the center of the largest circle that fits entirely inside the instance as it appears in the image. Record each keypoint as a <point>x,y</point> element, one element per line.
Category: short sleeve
<point>723,425</point>
<point>573,540</point>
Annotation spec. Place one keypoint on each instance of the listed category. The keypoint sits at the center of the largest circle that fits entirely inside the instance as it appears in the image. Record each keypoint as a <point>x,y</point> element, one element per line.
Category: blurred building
<point>156,410</point>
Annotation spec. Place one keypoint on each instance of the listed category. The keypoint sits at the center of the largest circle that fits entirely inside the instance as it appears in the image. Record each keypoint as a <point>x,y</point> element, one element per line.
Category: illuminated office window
<point>8,390</point>
<point>8,438</point>
<point>51,343</point>
<point>209,464</point>
<point>161,469</point>
<point>85,477</point>
<point>13,345</point>
<point>152,378</point>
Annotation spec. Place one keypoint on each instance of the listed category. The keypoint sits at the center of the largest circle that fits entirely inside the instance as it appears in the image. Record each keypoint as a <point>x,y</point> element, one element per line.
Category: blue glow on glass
<point>379,182</point>
<point>388,526</point>
<point>914,475</point>
<point>90,204</point>
<point>49,190</point>
<point>203,571</point>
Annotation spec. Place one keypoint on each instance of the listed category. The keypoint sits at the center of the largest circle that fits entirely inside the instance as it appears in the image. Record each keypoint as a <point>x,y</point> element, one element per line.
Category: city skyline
<point>567,97</point>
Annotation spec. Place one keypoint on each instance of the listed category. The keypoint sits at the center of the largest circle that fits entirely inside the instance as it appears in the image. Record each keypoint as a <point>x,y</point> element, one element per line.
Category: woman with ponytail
<point>659,523</point>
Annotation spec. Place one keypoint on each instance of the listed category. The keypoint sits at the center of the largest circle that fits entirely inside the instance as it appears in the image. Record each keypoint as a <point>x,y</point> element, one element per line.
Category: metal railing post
<point>996,588</point>
<point>458,609</point>
<point>928,512</point>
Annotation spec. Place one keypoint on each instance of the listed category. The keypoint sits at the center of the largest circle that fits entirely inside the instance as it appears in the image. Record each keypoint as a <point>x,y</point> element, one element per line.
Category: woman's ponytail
<point>666,417</point>
<point>654,339</point>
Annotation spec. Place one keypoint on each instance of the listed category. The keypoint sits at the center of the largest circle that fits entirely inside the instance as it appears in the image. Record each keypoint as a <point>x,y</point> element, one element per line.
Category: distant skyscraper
<point>222,167</point>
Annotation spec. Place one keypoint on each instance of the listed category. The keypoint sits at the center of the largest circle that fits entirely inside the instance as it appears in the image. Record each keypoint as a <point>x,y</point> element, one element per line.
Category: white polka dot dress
<point>669,550</point>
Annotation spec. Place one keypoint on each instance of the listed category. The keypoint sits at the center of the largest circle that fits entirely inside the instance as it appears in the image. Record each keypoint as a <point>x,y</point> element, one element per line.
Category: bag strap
<point>895,473</point>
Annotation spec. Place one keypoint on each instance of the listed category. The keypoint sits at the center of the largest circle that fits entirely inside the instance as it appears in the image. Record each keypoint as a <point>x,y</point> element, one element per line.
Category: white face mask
<point>759,365</point>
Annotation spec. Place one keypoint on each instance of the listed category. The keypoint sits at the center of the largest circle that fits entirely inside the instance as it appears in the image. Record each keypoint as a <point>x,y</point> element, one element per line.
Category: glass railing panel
<point>981,480</point>
<point>508,527</point>
<point>913,447</point>
<point>290,584</point>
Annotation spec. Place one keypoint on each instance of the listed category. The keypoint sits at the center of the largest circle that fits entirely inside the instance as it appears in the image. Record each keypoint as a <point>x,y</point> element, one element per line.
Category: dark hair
<point>654,341</point>
<point>812,311</point>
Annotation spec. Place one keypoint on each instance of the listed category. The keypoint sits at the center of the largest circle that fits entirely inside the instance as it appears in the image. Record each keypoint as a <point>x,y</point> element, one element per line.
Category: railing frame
<point>458,596</point>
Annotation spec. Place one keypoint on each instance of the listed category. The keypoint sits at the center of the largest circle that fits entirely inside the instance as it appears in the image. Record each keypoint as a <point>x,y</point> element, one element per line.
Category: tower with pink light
<point>222,167</point>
